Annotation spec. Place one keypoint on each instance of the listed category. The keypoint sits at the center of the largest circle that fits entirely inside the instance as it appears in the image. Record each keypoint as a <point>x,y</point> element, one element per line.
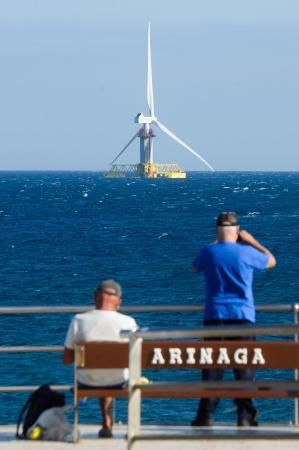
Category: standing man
<point>227,266</point>
<point>103,323</point>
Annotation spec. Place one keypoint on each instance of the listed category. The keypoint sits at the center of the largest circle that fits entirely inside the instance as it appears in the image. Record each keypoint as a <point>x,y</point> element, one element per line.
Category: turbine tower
<point>146,167</point>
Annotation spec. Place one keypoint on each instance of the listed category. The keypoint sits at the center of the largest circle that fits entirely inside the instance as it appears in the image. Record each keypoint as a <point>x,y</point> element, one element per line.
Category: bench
<point>161,354</point>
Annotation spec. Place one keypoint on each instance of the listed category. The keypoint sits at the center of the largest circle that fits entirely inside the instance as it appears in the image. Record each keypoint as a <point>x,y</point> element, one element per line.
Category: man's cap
<point>227,219</point>
<point>111,285</point>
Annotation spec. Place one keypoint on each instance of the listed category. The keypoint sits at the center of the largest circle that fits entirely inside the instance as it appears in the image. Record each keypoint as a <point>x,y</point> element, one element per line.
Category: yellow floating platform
<point>146,171</point>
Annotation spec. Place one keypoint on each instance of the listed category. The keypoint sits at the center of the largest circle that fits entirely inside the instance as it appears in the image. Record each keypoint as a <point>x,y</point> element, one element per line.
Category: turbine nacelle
<point>140,118</point>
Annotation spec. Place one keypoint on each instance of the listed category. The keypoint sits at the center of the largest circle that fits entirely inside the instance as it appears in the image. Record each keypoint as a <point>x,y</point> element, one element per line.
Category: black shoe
<point>105,433</point>
<point>202,422</point>
<point>248,419</point>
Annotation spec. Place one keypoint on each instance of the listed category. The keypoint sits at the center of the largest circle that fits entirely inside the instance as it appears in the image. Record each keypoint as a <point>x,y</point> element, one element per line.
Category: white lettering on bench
<point>223,356</point>
<point>158,357</point>
<point>258,357</point>
<point>175,356</point>
<point>206,355</point>
<point>190,352</point>
<point>240,356</point>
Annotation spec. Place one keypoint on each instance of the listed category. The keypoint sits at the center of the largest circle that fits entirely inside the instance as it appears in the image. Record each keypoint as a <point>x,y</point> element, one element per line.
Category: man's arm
<point>247,238</point>
<point>199,262</point>
<point>68,356</point>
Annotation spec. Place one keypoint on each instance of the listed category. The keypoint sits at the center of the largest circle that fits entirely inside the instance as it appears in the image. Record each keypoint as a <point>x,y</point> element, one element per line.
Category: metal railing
<point>135,357</point>
<point>284,329</point>
<point>18,310</point>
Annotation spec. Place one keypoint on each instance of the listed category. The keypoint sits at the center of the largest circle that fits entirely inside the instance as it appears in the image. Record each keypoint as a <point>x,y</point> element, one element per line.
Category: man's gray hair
<point>110,284</point>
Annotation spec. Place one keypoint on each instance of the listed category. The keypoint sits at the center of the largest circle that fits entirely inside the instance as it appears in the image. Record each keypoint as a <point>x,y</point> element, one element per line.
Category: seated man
<point>103,323</point>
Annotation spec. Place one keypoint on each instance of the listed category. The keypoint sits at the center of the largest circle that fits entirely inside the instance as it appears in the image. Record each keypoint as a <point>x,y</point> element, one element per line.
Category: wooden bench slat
<point>114,355</point>
<point>208,389</point>
<point>222,394</point>
<point>158,393</point>
<point>224,384</point>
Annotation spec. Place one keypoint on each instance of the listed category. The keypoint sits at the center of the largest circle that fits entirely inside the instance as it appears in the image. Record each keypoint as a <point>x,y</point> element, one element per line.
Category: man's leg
<point>246,411</point>
<point>206,407</point>
<point>105,406</point>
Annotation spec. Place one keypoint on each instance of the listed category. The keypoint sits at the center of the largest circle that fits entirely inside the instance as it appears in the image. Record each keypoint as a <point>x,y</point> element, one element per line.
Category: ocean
<point>64,232</point>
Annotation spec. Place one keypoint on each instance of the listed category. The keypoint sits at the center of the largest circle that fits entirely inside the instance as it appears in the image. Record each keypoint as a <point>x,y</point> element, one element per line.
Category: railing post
<point>134,400</point>
<point>75,399</point>
<point>296,373</point>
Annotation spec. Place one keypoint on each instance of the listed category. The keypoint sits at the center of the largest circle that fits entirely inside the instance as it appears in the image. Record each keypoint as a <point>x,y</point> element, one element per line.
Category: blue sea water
<point>63,232</point>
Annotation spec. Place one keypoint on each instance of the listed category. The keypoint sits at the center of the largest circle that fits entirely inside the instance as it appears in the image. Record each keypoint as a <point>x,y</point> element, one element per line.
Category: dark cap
<point>227,219</point>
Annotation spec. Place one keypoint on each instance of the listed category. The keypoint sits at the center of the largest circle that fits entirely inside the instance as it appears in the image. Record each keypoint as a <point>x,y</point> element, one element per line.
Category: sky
<point>73,77</point>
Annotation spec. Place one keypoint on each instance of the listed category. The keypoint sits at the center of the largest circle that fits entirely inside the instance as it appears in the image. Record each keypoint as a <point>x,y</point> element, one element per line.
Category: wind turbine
<point>146,167</point>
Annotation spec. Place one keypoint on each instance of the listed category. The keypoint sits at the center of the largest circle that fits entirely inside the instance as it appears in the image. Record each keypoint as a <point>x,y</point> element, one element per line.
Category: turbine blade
<point>173,136</point>
<point>150,92</point>
<point>125,148</point>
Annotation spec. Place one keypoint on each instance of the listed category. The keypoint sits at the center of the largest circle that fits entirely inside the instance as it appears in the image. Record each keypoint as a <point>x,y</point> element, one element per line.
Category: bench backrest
<point>190,355</point>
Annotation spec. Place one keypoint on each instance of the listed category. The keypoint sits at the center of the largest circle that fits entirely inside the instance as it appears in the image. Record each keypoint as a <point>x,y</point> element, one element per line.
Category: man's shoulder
<point>254,257</point>
<point>84,315</point>
<point>111,316</point>
<point>247,249</point>
<point>210,248</point>
<point>125,317</point>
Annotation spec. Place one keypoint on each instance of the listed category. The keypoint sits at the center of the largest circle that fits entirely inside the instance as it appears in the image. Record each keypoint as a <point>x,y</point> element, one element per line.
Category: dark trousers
<point>207,405</point>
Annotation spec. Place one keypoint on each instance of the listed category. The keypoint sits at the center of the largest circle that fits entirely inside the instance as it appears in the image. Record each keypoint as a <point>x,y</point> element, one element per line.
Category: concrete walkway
<point>216,438</point>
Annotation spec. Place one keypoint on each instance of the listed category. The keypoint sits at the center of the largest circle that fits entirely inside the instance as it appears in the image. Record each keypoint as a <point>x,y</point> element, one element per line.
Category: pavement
<point>187,438</point>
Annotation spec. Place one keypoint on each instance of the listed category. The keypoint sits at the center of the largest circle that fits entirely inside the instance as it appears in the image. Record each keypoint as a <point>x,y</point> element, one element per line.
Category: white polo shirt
<point>99,325</point>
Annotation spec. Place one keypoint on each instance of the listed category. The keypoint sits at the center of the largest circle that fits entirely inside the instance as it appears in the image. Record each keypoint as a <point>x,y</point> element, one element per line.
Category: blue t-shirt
<point>228,271</point>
